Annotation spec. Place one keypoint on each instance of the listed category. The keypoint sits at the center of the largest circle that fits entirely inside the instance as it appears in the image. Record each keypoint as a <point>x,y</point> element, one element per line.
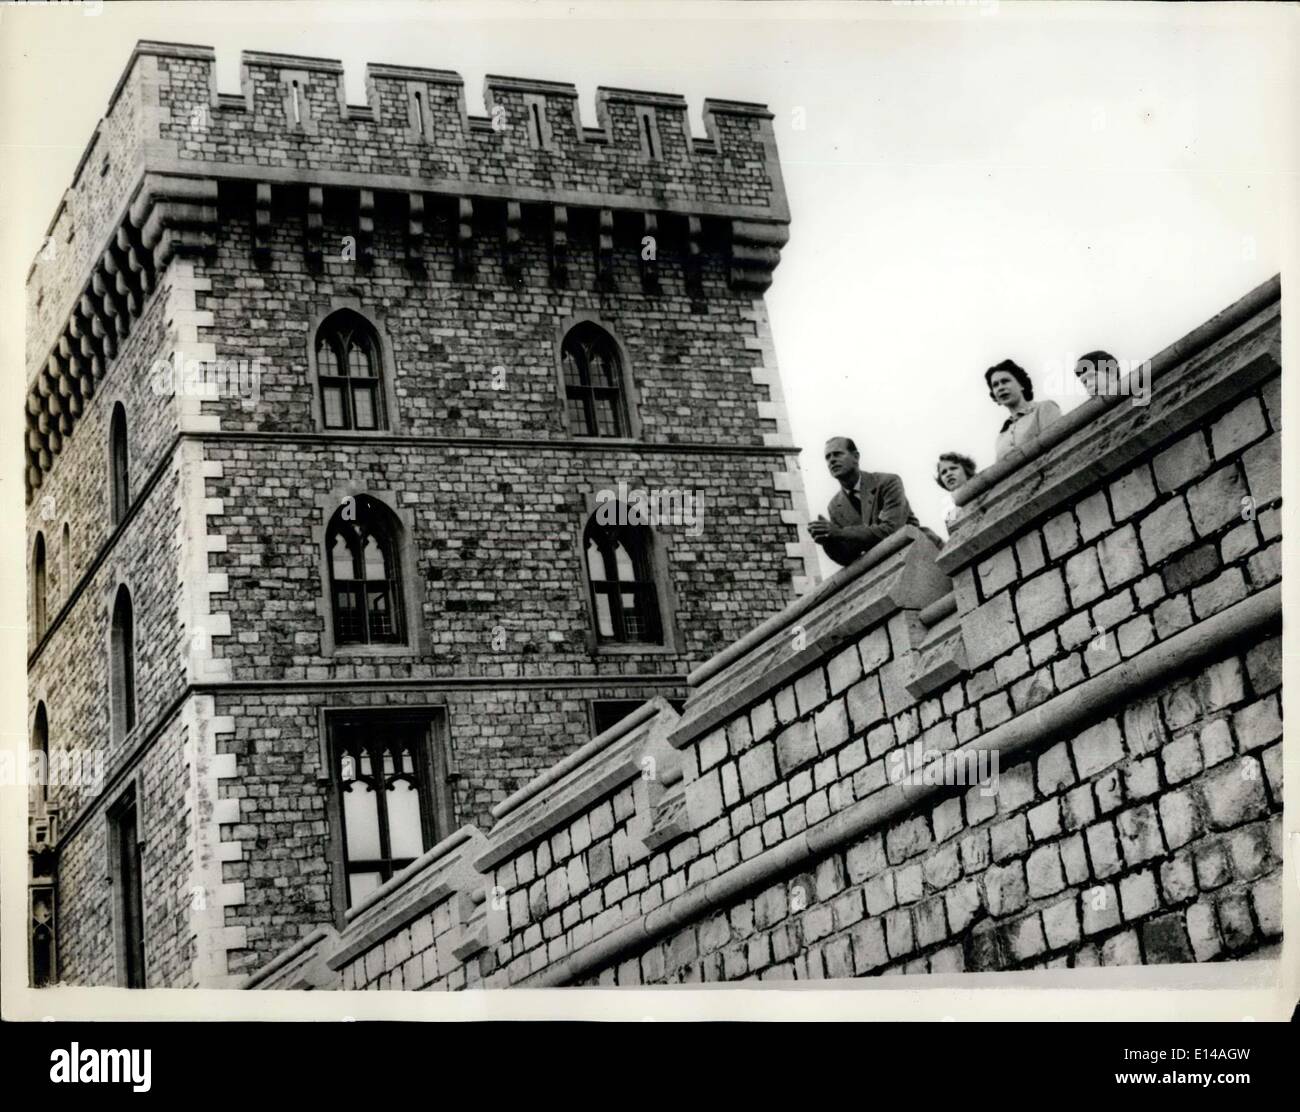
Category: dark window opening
<point>365,582</point>
<point>621,574</point>
<point>391,777</point>
<point>123,665</point>
<point>349,366</point>
<point>119,464</point>
<point>648,129</point>
<point>39,614</point>
<point>593,383</point>
<point>129,887</point>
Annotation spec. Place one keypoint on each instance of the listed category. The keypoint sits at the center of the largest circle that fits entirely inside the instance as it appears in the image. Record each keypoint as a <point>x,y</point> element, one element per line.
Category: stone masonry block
<point>1165,530</point>
<point>990,630</point>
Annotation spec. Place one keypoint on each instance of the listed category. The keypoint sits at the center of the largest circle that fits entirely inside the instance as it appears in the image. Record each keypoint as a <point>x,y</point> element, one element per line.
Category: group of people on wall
<point>869,506</point>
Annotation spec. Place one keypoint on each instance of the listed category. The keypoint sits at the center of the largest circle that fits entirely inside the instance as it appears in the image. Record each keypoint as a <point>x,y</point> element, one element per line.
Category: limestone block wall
<point>1104,623</point>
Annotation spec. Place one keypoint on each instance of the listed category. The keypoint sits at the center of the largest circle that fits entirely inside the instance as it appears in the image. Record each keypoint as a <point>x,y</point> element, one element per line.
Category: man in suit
<point>866,509</point>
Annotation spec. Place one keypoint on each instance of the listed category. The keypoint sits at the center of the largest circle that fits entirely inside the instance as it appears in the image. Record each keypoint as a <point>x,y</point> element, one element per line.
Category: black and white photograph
<point>653,498</point>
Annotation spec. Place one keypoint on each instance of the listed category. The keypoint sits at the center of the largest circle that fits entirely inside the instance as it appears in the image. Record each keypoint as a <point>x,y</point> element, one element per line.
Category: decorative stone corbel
<point>693,262</point>
<point>415,229</point>
<point>366,227</point>
<point>464,246</point>
<point>262,222</point>
<point>755,252</point>
<point>650,253</point>
<point>315,224</point>
<point>559,246</point>
<point>511,257</point>
<point>605,250</point>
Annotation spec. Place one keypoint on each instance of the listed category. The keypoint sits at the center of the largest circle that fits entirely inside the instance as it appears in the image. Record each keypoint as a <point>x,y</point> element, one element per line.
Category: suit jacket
<point>884,510</point>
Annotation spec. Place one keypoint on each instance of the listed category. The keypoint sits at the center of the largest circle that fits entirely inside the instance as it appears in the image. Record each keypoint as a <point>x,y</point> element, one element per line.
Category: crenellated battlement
<point>289,143</point>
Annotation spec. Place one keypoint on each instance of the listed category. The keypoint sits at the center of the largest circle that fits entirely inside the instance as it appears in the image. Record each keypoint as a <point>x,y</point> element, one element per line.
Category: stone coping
<point>900,573</point>
<point>715,665</point>
<point>593,772</point>
<point>437,853</point>
<point>444,871</point>
<point>1067,712</point>
<point>280,966</point>
<point>578,757</point>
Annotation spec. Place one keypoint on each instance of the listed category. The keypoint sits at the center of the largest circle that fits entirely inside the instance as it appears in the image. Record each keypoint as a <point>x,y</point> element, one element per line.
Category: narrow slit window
<point>648,130</point>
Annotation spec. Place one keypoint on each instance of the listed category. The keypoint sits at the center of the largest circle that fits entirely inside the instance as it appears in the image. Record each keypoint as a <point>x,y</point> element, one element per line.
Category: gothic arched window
<point>593,382</point>
<point>365,581</point>
<point>39,761</point>
<point>122,641</point>
<point>349,366</point>
<point>119,464</point>
<point>620,570</point>
<point>39,587</point>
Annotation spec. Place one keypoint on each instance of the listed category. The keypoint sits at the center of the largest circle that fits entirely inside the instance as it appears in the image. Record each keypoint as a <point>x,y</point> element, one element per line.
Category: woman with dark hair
<point>954,470</point>
<point>1010,386</point>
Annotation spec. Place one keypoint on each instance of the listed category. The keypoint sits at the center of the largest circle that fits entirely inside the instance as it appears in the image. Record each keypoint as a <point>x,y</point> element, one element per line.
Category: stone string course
<point>1116,646</point>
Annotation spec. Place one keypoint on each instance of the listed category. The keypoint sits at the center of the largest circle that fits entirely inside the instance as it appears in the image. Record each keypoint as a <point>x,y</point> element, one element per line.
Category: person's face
<point>841,463</point>
<point>951,475</point>
<point>1086,373</point>
<point>1006,390</point>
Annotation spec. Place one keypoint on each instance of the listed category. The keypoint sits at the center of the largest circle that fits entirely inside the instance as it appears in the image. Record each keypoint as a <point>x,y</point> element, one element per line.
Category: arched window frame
<point>122,672</point>
<point>39,793</point>
<point>321,376</point>
<point>119,465</point>
<point>40,586</point>
<point>629,403</point>
<point>408,605</point>
<point>655,549</point>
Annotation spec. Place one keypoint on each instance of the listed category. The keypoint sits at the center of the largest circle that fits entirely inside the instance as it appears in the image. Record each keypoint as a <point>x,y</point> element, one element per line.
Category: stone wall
<point>1104,623</point>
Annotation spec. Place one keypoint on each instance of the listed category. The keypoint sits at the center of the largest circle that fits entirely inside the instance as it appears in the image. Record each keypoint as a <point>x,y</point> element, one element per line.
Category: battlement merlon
<point>290,124</point>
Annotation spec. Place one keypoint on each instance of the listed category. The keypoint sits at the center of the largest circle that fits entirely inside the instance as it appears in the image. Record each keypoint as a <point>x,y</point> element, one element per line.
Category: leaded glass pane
<point>332,398</point>
<point>623,562</point>
<point>405,835</point>
<point>373,559</point>
<point>604,619</point>
<point>361,820</point>
<point>341,558</point>
<point>363,406</point>
<point>360,885</point>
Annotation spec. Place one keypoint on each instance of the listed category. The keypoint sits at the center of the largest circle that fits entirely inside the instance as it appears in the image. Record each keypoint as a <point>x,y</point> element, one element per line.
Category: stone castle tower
<point>325,403</point>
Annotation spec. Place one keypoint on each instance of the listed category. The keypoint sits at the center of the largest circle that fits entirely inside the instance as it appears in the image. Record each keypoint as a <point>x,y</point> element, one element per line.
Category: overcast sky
<point>967,183</point>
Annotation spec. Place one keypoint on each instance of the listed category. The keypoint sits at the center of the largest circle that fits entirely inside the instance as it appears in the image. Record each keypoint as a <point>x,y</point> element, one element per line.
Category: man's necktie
<point>857,502</point>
